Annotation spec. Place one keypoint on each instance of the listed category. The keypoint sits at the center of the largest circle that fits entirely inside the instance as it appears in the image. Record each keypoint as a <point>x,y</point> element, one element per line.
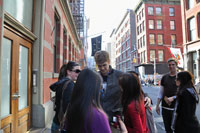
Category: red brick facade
<point>165,31</point>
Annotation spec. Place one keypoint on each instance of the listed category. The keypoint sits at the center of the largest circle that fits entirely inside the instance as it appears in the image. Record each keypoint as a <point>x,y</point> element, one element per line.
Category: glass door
<point>16,82</point>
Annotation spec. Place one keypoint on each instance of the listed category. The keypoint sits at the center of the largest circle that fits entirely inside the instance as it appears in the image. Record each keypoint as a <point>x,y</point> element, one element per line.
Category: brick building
<point>190,10</point>
<point>37,37</point>
<point>159,27</point>
<point>125,42</point>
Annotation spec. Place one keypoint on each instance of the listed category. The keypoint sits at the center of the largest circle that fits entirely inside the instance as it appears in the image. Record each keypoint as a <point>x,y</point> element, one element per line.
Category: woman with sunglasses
<point>63,88</point>
<point>84,113</point>
<point>184,118</point>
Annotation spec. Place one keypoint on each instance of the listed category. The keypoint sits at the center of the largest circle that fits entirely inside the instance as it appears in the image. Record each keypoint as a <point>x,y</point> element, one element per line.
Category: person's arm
<point>67,95</point>
<point>160,96</point>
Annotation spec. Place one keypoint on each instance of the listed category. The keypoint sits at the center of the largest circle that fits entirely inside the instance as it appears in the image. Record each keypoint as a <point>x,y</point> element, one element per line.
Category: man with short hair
<point>110,92</point>
<point>168,89</point>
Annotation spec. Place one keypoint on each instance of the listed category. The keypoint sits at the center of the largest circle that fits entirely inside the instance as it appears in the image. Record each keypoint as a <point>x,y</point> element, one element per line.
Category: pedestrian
<point>151,125</point>
<point>185,120</point>
<point>168,88</point>
<point>133,103</point>
<point>84,113</point>
<point>68,73</point>
<point>110,92</point>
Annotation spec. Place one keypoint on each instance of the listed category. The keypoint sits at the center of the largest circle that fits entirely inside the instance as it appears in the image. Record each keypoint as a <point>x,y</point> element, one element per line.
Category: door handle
<point>15,96</point>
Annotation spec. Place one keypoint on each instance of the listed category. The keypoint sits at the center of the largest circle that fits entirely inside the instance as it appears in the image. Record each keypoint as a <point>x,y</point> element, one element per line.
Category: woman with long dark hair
<point>84,114</point>
<point>68,73</point>
<point>133,104</point>
<point>185,120</point>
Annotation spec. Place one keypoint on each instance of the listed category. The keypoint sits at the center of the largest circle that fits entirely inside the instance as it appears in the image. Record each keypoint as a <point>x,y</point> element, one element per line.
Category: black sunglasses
<point>76,71</point>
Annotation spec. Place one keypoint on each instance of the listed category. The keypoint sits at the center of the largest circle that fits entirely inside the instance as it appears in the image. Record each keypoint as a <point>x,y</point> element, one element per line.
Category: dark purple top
<point>98,122</point>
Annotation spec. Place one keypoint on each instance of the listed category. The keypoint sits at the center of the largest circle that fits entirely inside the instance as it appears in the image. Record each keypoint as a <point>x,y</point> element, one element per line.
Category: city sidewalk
<point>47,129</point>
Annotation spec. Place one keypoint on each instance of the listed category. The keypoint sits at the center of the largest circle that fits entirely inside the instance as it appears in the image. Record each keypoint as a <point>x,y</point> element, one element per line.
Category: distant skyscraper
<point>96,44</point>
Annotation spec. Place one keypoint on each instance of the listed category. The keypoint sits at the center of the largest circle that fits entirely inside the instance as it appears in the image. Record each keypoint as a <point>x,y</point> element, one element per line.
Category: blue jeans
<point>54,127</point>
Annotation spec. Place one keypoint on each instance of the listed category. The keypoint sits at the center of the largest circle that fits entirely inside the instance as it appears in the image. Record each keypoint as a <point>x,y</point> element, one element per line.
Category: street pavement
<point>153,91</point>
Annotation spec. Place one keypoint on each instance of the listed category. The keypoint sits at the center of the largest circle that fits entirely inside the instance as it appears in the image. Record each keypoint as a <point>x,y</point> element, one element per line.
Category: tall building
<point>159,27</point>
<point>191,36</point>
<point>36,38</point>
<point>125,42</point>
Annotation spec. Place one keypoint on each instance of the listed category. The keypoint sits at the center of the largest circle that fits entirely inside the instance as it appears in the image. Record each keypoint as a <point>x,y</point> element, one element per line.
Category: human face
<point>172,67</point>
<point>73,74</point>
<point>104,68</point>
<point>177,81</point>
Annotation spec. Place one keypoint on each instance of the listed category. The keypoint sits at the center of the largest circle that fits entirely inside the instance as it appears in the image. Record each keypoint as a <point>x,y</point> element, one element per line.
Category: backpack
<point>60,111</point>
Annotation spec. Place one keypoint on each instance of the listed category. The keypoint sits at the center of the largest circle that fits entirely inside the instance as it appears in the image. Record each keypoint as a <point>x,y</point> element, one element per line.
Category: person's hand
<point>171,99</point>
<point>158,109</point>
<point>167,100</point>
<point>147,101</point>
<point>122,126</point>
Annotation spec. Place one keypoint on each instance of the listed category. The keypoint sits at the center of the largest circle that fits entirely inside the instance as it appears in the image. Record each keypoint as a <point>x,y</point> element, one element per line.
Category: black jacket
<point>187,121</point>
<point>58,88</point>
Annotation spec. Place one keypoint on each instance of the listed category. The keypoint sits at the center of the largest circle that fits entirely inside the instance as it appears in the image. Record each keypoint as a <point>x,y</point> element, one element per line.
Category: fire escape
<point>77,8</point>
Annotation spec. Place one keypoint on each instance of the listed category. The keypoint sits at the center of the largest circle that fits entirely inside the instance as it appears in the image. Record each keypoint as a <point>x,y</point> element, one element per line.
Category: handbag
<point>150,120</point>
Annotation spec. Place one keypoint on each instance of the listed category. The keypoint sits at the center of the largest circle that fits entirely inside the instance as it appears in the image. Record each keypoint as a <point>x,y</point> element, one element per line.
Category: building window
<point>143,25</point>
<point>159,24</point>
<point>152,55</point>
<point>192,29</point>
<point>171,11</point>
<point>138,30</point>
<point>55,44</point>
<point>173,40</point>
<point>172,25</point>
<point>160,39</point>
<point>144,40</point>
<point>142,12</point>
<point>190,4</point>
<point>160,55</point>
<point>141,42</point>
<point>144,56</point>
<point>151,39</point>
<point>158,11</point>
<point>138,43</point>
<point>151,24</point>
<point>64,46</point>
<point>150,10</point>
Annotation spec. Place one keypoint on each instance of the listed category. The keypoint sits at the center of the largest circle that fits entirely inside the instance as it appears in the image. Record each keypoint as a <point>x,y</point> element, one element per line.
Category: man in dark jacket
<point>110,92</point>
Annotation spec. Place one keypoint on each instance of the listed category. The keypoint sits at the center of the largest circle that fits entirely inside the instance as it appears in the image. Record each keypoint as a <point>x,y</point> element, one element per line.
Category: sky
<point>105,15</point>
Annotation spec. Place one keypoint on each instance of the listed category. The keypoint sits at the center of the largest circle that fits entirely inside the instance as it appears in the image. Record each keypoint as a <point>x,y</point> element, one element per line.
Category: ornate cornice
<point>8,19</point>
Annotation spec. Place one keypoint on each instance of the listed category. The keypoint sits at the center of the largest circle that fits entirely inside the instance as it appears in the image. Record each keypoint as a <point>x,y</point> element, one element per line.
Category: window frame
<point>159,24</point>
<point>160,50</point>
<point>173,13</point>
<point>172,40</point>
<point>150,12</point>
<point>158,13</point>
<point>151,59</point>
<point>153,39</point>
<point>153,27</point>
<point>174,25</point>
<point>162,39</point>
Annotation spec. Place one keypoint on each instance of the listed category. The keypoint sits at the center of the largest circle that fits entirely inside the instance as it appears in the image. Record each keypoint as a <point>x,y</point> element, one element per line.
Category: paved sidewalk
<point>41,130</point>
